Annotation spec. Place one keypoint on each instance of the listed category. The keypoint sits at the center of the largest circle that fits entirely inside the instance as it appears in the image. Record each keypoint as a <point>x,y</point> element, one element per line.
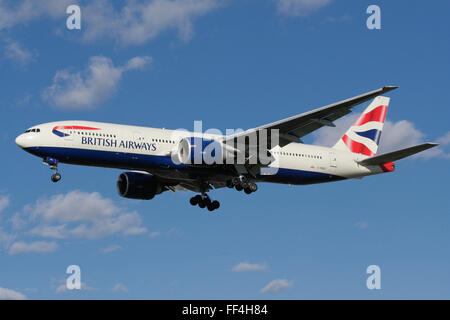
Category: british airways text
<point>104,142</point>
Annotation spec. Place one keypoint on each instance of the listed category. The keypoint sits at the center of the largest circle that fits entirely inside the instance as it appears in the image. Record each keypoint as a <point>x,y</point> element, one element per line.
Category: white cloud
<point>154,234</point>
<point>18,53</point>
<point>300,8</point>
<point>6,239</point>
<point>111,249</point>
<point>247,267</point>
<point>88,88</point>
<point>397,135</point>
<point>138,63</point>
<point>74,215</point>
<point>276,286</point>
<point>46,231</point>
<point>361,225</point>
<point>36,247</point>
<point>63,288</point>
<point>13,13</point>
<point>80,214</point>
<point>118,287</point>
<point>445,139</point>
<point>4,202</point>
<point>138,22</point>
<point>8,294</point>
<point>328,136</point>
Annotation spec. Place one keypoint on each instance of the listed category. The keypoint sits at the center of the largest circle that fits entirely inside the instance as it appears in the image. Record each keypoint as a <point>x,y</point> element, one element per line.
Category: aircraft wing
<point>292,129</point>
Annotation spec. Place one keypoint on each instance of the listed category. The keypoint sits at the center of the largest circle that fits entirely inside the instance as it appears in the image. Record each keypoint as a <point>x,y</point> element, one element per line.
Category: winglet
<point>389,88</point>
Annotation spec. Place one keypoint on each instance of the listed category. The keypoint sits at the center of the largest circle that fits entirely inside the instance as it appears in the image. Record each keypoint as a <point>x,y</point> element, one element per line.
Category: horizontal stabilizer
<point>397,155</point>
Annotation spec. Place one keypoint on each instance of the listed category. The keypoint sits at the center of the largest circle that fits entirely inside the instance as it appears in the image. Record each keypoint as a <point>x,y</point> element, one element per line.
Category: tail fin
<point>364,135</point>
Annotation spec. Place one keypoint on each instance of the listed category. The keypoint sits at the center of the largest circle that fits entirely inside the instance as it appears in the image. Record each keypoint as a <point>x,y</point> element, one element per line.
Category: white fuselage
<point>150,149</point>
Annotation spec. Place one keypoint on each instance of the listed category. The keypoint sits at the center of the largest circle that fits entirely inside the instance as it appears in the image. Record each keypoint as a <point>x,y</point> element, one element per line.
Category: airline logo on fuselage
<point>63,134</point>
<point>104,142</point>
<point>113,143</point>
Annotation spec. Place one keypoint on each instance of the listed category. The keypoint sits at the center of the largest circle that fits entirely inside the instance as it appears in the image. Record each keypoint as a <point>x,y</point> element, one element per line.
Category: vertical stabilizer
<point>364,135</point>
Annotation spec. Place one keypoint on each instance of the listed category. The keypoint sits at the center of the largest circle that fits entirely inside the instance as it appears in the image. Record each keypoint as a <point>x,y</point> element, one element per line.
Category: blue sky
<point>231,64</point>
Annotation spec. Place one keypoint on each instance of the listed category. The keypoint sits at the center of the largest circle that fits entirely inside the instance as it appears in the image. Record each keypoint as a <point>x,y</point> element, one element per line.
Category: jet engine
<point>200,151</point>
<point>135,185</point>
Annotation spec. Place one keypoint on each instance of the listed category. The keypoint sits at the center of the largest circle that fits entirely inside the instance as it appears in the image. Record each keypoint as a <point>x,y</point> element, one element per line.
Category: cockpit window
<point>33,130</point>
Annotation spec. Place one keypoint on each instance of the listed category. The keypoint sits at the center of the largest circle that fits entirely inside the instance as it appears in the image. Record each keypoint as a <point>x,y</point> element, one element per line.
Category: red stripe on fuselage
<point>378,114</point>
<point>357,147</point>
<point>74,128</point>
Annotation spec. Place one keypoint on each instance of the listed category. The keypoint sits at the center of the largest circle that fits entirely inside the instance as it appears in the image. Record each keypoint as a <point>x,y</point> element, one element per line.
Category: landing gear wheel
<point>238,187</point>
<point>193,201</point>
<point>253,187</point>
<point>56,177</point>
<point>214,205</point>
<point>247,190</point>
<point>203,201</point>
<point>235,181</point>
<point>230,184</point>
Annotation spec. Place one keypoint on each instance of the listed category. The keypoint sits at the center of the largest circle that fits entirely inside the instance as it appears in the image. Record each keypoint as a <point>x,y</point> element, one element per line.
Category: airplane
<point>159,160</point>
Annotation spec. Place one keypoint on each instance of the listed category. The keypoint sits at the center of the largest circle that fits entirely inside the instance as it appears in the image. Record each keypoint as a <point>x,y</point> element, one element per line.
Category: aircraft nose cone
<point>20,141</point>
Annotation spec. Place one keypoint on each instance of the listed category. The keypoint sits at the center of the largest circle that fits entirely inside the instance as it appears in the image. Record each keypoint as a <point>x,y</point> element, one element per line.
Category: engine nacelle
<point>135,185</point>
<point>200,151</point>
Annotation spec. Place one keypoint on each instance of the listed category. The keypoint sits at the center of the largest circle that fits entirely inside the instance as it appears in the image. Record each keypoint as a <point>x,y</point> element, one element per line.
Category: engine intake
<point>200,151</point>
<point>135,185</point>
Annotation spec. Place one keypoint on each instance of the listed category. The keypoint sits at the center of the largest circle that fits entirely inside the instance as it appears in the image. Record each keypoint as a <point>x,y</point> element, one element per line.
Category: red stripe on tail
<point>378,114</point>
<point>357,147</point>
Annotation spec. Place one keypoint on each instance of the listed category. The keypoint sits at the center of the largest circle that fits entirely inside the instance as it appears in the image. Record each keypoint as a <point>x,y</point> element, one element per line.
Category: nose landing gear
<point>53,164</point>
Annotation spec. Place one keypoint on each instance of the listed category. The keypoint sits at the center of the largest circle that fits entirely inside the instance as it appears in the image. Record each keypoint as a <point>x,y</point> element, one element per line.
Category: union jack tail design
<point>364,135</point>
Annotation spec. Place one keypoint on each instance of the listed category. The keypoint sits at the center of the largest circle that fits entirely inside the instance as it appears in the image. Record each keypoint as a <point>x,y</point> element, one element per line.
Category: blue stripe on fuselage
<point>134,161</point>
<point>291,176</point>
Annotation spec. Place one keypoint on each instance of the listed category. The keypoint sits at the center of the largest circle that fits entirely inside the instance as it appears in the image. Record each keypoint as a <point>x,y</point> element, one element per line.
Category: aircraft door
<point>68,139</point>
<point>333,159</point>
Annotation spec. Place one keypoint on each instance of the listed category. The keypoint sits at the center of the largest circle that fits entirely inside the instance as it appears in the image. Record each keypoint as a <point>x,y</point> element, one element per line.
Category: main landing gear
<point>242,183</point>
<point>204,201</point>
<point>53,164</point>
